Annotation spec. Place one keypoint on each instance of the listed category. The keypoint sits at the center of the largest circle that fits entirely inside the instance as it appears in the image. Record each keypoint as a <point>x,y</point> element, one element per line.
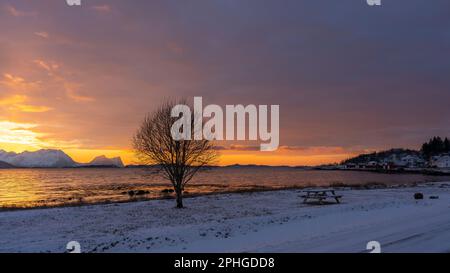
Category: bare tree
<point>178,161</point>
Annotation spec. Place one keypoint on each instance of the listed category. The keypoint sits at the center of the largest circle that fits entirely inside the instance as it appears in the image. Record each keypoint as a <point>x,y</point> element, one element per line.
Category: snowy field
<point>274,221</point>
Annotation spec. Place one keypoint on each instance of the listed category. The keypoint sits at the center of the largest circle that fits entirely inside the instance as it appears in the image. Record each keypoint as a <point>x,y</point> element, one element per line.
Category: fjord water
<point>25,188</point>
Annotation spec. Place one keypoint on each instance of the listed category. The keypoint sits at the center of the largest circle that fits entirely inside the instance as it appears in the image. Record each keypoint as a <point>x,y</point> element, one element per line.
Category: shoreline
<point>143,199</point>
<point>269,221</point>
<point>336,186</point>
<point>423,171</point>
<point>121,195</point>
<point>430,172</point>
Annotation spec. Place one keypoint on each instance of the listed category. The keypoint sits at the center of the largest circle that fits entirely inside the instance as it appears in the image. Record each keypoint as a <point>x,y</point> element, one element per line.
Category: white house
<point>372,164</point>
<point>442,162</point>
<point>412,161</point>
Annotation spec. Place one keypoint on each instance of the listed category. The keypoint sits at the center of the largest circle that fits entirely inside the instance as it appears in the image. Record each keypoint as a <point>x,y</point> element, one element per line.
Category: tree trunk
<point>179,193</point>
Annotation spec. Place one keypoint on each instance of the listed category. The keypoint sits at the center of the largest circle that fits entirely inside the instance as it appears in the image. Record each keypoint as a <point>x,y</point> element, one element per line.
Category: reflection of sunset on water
<point>60,187</point>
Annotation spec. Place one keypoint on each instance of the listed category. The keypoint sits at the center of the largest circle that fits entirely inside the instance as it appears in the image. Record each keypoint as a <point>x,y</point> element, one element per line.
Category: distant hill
<point>237,166</point>
<point>434,147</point>
<point>103,161</point>
<point>52,159</point>
<point>4,165</point>
<point>380,156</point>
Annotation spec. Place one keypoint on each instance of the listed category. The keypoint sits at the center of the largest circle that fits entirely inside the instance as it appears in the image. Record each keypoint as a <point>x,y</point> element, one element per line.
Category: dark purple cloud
<point>344,74</point>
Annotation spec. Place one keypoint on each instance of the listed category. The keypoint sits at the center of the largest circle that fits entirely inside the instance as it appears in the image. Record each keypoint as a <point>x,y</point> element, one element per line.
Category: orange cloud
<point>42,34</point>
<point>43,65</point>
<point>18,133</point>
<point>47,66</point>
<point>32,108</point>
<point>18,13</point>
<point>12,100</point>
<point>74,95</point>
<point>102,8</point>
<point>71,88</point>
<point>175,48</point>
<point>18,137</point>
<point>16,82</point>
<point>17,103</point>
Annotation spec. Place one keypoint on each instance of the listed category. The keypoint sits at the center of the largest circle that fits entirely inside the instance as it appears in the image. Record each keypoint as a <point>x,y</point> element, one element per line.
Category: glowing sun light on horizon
<point>19,133</point>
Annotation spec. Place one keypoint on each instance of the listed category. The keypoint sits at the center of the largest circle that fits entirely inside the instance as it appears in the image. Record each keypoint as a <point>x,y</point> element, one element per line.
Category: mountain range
<point>49,158</point>
<point>104,161</point>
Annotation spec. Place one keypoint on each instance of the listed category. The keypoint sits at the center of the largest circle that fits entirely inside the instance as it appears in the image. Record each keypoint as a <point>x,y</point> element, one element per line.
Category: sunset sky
<point>348,77</point>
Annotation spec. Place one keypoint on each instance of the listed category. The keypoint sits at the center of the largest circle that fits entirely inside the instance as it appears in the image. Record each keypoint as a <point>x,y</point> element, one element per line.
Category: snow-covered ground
<point>274,221</point>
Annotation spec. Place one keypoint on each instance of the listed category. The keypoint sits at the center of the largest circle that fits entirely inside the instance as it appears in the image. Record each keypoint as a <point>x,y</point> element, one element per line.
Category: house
<point>350,166</point>
<point>372,164</point>
<point>412,161</point>
<point>441,162</point>
<point>402,161</point>
<point>389,166</point>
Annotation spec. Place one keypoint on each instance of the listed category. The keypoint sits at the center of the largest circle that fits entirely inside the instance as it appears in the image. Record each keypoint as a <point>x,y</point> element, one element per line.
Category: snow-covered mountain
<point>38,159</point>
<point>53,159</point>
<point>104,161</point>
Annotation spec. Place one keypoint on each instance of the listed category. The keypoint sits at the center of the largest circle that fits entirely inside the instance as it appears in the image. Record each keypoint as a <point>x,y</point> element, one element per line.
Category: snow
<point>275,221</point>
<point>53,159</point>
<point>39,159</point>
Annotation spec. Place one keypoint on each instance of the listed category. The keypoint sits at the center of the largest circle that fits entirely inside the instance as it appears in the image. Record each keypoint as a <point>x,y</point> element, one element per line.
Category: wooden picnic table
<point>321,195</point>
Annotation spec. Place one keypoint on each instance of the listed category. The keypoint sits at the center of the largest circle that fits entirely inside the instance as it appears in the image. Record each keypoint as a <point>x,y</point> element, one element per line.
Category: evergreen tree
<point>447,145</point>
<point>435,146</point>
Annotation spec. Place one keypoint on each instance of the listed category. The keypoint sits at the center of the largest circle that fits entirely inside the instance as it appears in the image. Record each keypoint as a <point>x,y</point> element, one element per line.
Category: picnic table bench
<point>320,196</point>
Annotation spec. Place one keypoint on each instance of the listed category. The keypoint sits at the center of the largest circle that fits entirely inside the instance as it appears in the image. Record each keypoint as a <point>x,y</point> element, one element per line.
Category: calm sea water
<point>24,188</point>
